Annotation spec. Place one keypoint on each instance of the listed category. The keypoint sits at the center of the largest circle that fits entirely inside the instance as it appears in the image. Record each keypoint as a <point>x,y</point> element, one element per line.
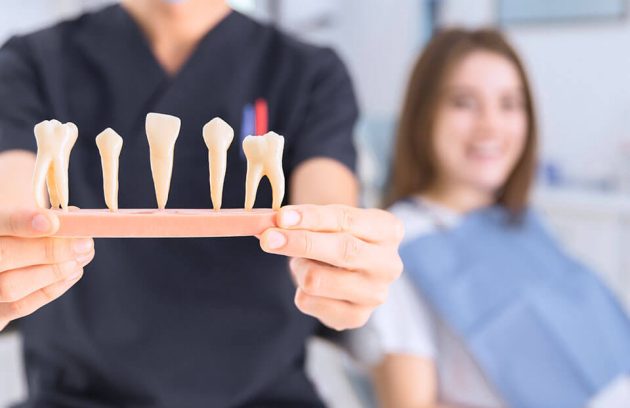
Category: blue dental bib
<point>543,328</point>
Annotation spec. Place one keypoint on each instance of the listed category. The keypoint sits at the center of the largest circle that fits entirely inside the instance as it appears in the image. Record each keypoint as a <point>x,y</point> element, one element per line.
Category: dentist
<point>186,322</point>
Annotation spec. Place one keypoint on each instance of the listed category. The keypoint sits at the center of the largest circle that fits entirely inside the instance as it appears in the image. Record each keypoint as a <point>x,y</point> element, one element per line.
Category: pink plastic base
<point>145,223</point>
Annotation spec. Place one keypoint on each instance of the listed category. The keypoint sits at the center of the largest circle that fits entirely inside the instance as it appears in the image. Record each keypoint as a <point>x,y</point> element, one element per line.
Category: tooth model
<point>264,158</point>
<point>109,146</point>
<point>54,144</point>
<point>218,136</point>
<point>162,131</point>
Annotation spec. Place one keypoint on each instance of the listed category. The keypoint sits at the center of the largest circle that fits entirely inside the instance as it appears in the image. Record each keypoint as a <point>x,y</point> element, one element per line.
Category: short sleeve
<point>402,325</point>
<point>331,113</point>
<point>21,105</point>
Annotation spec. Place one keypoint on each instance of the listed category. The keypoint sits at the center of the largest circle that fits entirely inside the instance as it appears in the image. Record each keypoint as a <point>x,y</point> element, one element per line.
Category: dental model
<point>218,136</point>
<point>54,144</point>
<point>264,158</point>
<point>109,146</point>
<point>162,131</point>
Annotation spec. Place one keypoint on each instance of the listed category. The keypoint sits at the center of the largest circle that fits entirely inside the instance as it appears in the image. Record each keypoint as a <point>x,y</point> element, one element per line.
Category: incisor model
<point>162,131</point>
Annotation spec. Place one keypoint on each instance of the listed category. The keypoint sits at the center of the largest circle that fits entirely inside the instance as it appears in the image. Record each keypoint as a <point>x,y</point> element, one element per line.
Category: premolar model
<point>218,136</point>
<point>54,144</point>
<point>162,132</point>
<point>109,146</point>
<point>264,158</point>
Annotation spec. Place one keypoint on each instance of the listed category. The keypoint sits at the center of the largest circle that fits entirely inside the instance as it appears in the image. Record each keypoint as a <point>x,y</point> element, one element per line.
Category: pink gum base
<point>153,223</point>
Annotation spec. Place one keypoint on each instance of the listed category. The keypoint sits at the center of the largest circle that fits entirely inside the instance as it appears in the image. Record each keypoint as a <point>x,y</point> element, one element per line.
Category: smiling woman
<point>489,305</point>
<point>468,102</point>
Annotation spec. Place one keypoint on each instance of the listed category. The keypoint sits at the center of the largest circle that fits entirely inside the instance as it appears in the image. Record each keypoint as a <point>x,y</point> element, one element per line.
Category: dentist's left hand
<point>343,259</point>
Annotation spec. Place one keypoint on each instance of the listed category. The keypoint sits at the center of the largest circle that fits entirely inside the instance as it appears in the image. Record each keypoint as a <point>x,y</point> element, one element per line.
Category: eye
<point>462,102</point>
<point>512,103</point>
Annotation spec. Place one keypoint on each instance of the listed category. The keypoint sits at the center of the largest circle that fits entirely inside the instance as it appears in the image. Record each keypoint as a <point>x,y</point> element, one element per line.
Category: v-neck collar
<point>120,52</point>
<point>216,31</point>
<point>113,33</point>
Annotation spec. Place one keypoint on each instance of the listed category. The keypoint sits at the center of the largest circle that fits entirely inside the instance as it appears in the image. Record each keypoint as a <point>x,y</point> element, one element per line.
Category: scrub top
<point>173,322</point>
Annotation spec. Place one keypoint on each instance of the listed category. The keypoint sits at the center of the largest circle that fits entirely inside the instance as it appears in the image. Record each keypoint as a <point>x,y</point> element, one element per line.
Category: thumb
<point>28,223</point>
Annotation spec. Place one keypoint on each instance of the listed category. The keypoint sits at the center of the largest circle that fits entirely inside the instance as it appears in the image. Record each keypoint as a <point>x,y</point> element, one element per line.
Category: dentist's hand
<point>344,259</point>
<point>36,269</point>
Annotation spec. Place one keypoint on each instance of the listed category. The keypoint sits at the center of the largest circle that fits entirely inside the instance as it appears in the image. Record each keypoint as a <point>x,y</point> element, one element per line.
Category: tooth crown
<point>264,158</point>
<point>217,133</point>
<point>54,145</point>
<point>162,132</point>
<point>110,144</point>
<point>266,149</point>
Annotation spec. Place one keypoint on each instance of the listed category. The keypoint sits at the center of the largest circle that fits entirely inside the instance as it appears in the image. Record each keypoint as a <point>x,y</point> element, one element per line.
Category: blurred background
<point>576,54</point>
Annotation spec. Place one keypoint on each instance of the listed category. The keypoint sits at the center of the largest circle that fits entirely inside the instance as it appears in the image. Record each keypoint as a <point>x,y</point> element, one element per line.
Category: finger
<point>28,223</point>
<point>338,249</point>
<point>336,314</point>
<point>29,304</point>
<point>372,225</point>
<point>321,280</point>
<point>21,252</point>
<point>19,283</point>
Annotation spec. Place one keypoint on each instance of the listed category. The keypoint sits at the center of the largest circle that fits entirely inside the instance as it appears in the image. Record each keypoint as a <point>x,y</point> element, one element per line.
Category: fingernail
<point>290,218</point>
<point>40,223</point>
<point>84,260</point>
<point>275,240</point>
<point>81,246</point>
<point>74,276</point>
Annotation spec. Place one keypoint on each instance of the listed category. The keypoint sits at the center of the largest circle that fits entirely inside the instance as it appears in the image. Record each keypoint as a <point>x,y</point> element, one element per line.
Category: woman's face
<point>481,124</point>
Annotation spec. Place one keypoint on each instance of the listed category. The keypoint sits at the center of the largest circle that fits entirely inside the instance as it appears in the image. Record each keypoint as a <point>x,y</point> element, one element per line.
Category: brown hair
<point>413,166</point>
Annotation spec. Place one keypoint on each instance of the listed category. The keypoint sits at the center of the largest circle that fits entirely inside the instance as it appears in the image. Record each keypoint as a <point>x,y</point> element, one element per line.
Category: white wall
<point>20,16</point>
<point>378,40</point>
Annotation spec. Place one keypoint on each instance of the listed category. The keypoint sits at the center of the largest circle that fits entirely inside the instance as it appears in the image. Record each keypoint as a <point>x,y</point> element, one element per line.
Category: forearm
<point>323,181</point>
<point>406,381</point>
<point>16,170</point>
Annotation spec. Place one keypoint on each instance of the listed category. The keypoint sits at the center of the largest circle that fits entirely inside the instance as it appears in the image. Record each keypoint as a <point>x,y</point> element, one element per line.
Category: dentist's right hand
<point>36,269</point>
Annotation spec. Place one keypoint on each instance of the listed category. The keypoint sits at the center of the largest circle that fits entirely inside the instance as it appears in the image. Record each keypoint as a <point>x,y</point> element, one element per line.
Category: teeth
<point>218,136</point>
<point>54,144</point>
<point>162,131</point>
<point>109,146</point>
<point>264,158</point>
<point>486,148</point>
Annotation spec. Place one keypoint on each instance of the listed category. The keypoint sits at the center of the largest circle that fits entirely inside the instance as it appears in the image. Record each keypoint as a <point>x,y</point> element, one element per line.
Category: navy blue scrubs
<point>172,322</point>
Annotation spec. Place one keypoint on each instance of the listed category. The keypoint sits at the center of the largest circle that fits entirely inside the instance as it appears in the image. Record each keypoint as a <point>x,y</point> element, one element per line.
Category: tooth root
<point>42,166</point>
<point>276,177</point>
<point>218,165</point>
<point>54,145</point>
<point>52,188</point>
<point>264,158</point>
<point>162,132</point>
<point>109,145</point>
<point>61,184</point>
<point>218,137</point>
<point>252,180</point>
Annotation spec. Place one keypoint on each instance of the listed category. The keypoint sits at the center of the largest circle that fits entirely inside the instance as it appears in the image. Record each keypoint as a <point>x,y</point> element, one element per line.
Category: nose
<point>489,119</point>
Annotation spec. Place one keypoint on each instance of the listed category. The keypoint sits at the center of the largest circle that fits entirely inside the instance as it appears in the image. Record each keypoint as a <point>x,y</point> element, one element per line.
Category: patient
<point>490,311</point>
